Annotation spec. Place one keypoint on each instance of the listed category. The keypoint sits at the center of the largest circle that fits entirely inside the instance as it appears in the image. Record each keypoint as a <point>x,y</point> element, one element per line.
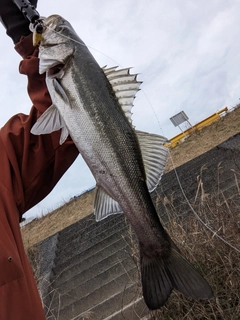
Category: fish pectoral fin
<point>50,121</point>
<point>104,205</point>
<point>155,156</point>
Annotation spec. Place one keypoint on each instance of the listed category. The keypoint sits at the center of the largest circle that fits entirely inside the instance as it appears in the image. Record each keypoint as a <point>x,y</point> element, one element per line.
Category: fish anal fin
<point>155,156</point>
<point>104,205</point>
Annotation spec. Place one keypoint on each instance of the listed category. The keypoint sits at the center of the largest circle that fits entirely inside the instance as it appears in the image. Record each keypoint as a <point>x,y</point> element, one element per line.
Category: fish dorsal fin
<point>154,155</point>
<point>50,121</point>
<point>104,205</point>
<point>125,86</point>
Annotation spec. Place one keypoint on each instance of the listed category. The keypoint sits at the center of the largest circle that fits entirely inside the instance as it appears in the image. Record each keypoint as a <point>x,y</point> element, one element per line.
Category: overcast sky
<point>186,52</point>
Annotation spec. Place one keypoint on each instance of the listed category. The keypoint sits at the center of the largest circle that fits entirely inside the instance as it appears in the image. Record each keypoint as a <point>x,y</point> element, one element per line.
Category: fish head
<point>57,46</point>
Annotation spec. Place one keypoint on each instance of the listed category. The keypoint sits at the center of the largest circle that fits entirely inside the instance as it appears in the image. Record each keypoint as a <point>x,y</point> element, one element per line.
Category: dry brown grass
<point>217,261</point>
<point>57,220</point>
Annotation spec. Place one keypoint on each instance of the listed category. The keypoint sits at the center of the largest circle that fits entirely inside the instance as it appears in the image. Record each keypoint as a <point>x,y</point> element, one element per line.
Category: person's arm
<point>37,162</point>
<point>30,166</point>
<point>13,20</point>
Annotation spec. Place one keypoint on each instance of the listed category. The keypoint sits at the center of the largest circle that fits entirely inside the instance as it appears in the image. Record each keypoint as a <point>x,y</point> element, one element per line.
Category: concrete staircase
<point>216,173</point>
<point>95,273</point>
<point>90,269</point>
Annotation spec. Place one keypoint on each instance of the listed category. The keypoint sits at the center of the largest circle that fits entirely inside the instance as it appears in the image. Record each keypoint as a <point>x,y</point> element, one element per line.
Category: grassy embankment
<point>221,263</point>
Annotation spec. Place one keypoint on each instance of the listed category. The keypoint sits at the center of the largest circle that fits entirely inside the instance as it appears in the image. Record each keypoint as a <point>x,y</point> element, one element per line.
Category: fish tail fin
<point>160,277</point>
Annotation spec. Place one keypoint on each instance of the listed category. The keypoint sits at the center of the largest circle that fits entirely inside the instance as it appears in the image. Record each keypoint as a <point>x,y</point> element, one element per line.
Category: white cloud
<point>187,54</point>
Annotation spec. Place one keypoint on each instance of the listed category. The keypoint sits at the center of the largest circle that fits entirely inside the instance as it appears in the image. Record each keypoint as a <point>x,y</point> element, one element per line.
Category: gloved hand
<point>13,20</point>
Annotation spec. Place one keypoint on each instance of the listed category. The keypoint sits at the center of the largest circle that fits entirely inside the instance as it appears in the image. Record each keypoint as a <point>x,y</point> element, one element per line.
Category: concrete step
<point>212,183</point>
<point>79,225</point>
<point>90,268</point>
<point>229,190</point>
<point>65,260</point>
<point>228,183</point>
<point>86,223</point>
<point>135,310</point>
<point>79,230</point>
<point>82,240</point>
<point>80,306</point>
<point>202,164</point>
<point>86,286</point>
<point>128,304</point>
<point>214,190</point>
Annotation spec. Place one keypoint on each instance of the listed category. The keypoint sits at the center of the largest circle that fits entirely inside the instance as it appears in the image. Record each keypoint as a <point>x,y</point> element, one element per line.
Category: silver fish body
<point>93,105</point>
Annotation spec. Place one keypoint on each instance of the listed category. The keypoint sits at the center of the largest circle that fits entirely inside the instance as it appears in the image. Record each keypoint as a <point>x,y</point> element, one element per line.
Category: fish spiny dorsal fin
<point>109,70</point>
<point>125,86</point>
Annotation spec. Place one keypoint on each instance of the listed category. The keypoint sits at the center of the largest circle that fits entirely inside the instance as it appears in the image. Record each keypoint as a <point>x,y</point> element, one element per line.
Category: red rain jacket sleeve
<point>38,162</point>
<point>30,166</point>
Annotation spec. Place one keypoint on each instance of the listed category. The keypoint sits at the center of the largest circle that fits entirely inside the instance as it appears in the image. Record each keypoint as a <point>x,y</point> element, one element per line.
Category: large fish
<point>93,106</point>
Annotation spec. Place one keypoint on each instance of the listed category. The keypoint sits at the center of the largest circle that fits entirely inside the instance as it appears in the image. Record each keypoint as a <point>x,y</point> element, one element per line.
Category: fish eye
<point>59,28</point>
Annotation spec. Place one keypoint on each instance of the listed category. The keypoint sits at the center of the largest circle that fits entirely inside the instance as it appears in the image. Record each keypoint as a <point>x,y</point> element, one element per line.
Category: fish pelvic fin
<point>160,277</point>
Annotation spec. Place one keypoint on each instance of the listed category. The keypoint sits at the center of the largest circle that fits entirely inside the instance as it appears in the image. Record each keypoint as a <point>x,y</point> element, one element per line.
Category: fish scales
<point>93,106</point>
<point>110,129</point>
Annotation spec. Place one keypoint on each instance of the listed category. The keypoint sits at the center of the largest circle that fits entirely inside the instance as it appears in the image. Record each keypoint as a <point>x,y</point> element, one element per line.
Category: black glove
<point>13,20</point>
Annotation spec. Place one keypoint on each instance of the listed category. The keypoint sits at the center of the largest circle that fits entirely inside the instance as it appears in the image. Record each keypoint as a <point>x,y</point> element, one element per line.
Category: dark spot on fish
<point>55,70</point>
<point>102,171</point>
